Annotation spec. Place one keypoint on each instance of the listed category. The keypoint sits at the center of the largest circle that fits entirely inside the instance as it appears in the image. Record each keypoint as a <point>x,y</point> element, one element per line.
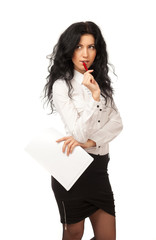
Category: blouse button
<point>100,109</point>
<point>98,120</point>
<point>98,146</point>
<point>97,106</point>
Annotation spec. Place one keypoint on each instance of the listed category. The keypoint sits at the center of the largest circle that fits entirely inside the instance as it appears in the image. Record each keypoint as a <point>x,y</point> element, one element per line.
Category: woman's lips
<point>86,62</point>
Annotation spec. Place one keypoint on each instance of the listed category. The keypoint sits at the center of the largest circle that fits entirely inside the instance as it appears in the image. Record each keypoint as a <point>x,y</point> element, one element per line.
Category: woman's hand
<point>91,84</point>
<point>70,143</point>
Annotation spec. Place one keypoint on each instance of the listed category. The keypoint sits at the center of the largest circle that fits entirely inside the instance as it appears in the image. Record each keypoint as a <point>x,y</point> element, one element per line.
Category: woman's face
<point>85,52</point>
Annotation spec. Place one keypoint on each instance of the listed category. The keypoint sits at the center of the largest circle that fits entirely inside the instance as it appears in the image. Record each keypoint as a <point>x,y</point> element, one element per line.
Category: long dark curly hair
<point>62,67</point>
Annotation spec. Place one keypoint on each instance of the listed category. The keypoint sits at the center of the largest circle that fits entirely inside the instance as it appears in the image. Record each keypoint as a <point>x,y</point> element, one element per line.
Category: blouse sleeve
<point>110,130</point>
<point>77,125</point>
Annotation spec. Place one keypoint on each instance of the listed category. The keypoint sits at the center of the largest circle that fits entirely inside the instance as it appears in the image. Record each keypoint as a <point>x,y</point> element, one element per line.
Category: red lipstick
<point>84,64</point>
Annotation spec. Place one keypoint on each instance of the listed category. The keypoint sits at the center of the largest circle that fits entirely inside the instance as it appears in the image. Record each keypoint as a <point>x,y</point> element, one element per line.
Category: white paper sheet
<point>66,169</point>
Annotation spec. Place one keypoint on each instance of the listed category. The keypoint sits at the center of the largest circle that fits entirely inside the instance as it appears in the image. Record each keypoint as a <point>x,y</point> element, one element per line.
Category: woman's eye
<point>78,47</point>
<point>92,46</point>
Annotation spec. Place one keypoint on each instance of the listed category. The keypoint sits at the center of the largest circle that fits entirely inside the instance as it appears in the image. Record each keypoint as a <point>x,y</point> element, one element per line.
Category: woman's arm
<point>78,126</point>
<point>110,130</point>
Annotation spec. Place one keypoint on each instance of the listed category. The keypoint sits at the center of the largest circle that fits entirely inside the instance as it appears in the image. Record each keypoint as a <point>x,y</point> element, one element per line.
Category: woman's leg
<point>73,231</point>
<point>103,225</point>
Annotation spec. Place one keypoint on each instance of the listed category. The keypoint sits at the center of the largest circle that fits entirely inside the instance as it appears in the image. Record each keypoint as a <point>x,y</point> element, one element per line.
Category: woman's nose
<point>85,52</point>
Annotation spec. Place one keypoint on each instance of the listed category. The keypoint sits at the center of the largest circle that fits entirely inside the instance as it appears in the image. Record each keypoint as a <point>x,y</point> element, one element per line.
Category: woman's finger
<point>73,146</point>
<point>88,78</point>
<point>89,71</point>
<point>65,144</point>
<point>69,146</point>
<point>63,139</point>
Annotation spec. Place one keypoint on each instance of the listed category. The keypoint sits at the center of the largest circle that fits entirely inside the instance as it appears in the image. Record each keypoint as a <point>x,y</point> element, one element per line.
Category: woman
<point>84,101</point>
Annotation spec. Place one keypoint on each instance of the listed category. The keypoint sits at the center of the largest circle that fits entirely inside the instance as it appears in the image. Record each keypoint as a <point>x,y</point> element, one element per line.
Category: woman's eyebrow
<point>90,44</point>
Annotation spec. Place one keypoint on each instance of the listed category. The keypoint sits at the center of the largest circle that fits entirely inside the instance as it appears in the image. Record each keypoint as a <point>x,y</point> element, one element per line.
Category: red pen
<point>84,64</point>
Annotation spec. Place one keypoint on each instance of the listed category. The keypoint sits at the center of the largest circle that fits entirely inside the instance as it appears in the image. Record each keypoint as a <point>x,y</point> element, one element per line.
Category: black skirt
<point>91,192</point>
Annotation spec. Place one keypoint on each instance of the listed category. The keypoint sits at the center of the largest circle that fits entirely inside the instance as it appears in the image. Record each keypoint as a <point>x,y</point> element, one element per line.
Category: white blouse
<point>83,117</point>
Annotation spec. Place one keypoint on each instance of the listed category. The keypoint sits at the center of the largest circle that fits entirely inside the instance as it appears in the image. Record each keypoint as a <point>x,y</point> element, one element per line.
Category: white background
<point>29,30</point>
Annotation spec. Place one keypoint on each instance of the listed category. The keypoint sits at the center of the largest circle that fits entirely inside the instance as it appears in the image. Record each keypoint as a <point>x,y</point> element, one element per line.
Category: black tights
<point>103,226</point>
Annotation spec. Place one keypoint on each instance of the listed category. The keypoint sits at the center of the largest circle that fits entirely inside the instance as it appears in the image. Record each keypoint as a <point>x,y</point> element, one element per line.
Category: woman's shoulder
<point>60,85</point>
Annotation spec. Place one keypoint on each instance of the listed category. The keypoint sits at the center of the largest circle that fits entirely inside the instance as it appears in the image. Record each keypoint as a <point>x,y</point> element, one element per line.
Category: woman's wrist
<point>96,95</point>
<point>88,144</point>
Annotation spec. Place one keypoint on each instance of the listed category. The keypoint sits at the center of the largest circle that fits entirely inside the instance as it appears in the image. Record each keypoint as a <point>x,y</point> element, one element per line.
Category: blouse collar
<point>78,77</point>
